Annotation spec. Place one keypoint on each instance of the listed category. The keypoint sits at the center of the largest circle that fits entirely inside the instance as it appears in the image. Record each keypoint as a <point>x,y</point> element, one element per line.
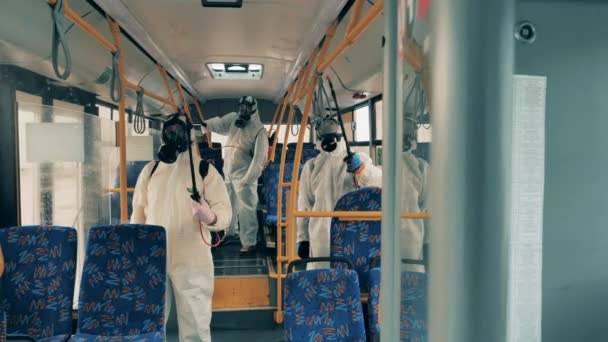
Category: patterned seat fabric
<point>2,326</point>
<point>373,305</point>
<point>323,305</point>
<point>151,337</point>
<point>271,183</point>
<point>38,283</point>
<point>122,292</point>
<point>308,152</point>
<point>413,306</point>
<point>358,241</point>
<point>133,171</point>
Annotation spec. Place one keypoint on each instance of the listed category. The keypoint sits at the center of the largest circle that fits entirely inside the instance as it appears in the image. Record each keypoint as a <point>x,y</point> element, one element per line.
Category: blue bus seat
<point>271,189</point>
<point>323,305</point>
<point>413,305</point>
<point>122,292</point>
<point>133,171</point>
<point>308,152</point>
<point>358,241</point>
<point>38,281</point>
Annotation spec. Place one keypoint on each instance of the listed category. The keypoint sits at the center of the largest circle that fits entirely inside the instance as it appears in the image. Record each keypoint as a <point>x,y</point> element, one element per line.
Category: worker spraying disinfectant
<point>166,194</point>
<point>326,178</point>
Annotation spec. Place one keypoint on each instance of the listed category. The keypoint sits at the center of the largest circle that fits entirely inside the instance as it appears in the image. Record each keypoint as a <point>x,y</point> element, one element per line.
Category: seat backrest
<point>38,280</point>
<point>323,305</point>
<point>308,152</point>
<point>122,292</point>
<point>413,326</point>
<point>373,304</point>
<point>271,189</point>
<point>357,241</point>
<point>133,171</point>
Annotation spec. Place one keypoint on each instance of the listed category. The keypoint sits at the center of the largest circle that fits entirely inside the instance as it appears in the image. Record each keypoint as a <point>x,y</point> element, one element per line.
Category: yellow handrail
<point>148,93</point>
<point>356,27</point>
<point>358,215</point>
<point>118,190</point>
<point>86,27</point>
<point>180,91</point>
<point>163,74</point>
<point>122,125</point>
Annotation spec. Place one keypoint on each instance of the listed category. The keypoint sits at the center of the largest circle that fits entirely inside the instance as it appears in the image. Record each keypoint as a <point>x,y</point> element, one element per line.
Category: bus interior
<point>512,253</point>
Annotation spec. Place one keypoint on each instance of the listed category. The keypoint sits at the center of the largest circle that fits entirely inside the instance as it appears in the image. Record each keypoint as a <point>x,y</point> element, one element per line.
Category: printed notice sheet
<point>527,190</point>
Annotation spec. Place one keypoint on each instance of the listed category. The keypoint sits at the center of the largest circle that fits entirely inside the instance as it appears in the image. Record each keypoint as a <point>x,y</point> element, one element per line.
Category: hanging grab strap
<point>139,125</point>
<point>116,84</point>
<point>59,39</point>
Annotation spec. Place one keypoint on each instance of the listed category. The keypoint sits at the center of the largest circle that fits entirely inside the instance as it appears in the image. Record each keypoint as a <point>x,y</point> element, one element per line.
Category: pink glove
<point>202,213</point>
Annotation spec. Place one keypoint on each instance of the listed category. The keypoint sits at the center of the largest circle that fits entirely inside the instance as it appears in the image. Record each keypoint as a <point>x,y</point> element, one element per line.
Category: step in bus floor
<point>228,261</point>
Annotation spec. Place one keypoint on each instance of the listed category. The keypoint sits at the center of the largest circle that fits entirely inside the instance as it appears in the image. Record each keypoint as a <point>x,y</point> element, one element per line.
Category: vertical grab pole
<point>293,194</point>
<point>122,125</point>
<point>199,110</point>
<point>280,120</point>
<point>183,99</point>
<point>281,258</point>
<point>301,88</point>
<point>392,128</point>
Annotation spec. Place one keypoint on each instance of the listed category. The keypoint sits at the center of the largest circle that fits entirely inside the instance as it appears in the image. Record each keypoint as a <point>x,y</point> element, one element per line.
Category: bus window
<point>105,112</point>
<point>348,120</point>
<point>362,124</point>
<point>378,107</point>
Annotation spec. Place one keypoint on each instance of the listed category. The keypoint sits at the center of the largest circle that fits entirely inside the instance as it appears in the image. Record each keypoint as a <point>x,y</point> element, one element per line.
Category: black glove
<point>304,250</point>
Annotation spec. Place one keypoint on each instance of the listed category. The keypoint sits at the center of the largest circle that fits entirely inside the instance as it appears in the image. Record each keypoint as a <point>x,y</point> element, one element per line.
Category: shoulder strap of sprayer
<point>203,168</point>
<point>251,152</point>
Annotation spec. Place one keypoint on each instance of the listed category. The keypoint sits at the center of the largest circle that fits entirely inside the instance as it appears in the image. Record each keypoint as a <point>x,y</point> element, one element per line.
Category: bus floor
<point>228,261</point>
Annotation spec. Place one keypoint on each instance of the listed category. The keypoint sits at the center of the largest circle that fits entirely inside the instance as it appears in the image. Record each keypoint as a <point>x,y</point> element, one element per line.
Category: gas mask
<point>175,137</point>
<point>247,107</point>
<point>328,133</point>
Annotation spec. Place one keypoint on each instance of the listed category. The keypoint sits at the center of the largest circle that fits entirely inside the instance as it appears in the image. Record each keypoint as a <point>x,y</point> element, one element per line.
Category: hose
<point>116,83</point>
<point>59,39</point>
<point>419,98</point>
<point>139,125</point>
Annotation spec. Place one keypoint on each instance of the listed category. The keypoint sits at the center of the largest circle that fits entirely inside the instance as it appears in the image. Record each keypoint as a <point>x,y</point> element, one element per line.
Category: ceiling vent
<point>236,71</point>
<point>223,3</point>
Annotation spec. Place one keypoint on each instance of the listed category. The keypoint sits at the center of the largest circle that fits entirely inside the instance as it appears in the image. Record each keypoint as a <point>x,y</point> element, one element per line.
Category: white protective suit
<point>324,180</point>
<point>414,185</point>
<point>164,200</point>
<point>246,154</point>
